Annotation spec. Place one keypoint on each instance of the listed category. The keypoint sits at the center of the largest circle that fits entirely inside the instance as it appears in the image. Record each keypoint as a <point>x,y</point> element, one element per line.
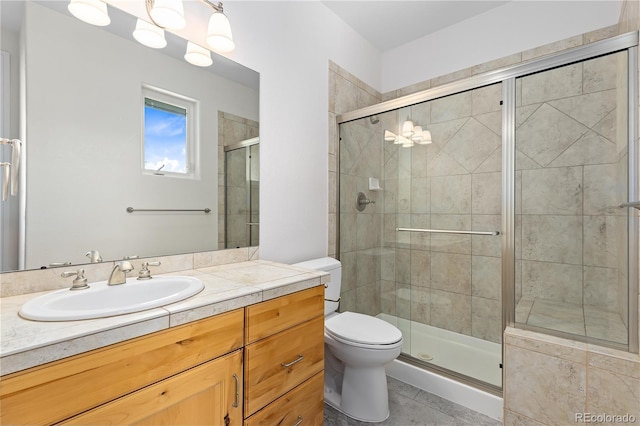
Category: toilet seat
<point>363,331</point>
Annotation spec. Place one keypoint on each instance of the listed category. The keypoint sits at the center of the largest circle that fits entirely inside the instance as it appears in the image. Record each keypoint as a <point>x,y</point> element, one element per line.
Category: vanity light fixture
<point>150,35</point>
<point>219,36</point>
<point>170,14</point>
<point>166,13</point>
<point>93,12</point>
<point>409,135</point>
<point>197,55</point>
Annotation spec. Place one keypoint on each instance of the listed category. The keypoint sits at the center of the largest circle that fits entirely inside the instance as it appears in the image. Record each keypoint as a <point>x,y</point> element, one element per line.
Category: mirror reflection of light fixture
<point>166,13</point>
<point>149,35</point>
<point>426,138</point>
<point>407,129</point>
<point>409,135</point>
<point>417,134</point>
<point>93,12</point>
<point>197,55</point>
<point>389,136</point>
<point>219,36</point>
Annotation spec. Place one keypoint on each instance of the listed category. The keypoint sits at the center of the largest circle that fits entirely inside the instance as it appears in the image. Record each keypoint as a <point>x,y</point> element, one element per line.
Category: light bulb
<point>219,36</point>
<point>407,128</point>
<point>168,13</point>
<point>417,134</point>
<point>426,137</point>
<point>149,35</point>
<point>197,55</point>
<point>389,136</point>
<point>92,12</point>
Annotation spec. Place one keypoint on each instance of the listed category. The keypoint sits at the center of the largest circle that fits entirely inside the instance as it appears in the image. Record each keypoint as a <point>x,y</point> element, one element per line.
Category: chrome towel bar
<point>131,210</point>
<point>449,231</point>
<point>634,204</point>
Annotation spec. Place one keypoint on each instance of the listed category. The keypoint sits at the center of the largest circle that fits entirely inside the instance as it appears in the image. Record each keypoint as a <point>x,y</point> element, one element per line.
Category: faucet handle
<point>80,282</point>
<point>145,273</point>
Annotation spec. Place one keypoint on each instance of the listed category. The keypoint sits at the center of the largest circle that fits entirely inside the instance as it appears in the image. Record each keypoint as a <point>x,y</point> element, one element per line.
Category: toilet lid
<point>365,329</point>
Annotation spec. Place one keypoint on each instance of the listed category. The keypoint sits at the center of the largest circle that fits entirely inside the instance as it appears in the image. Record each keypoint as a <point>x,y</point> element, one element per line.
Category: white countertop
<point>25,343</point>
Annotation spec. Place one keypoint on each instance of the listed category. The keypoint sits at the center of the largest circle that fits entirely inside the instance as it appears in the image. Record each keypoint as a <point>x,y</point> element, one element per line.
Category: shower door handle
<point>6,180</point>
<point>634,204</point>
<point>449,231</point>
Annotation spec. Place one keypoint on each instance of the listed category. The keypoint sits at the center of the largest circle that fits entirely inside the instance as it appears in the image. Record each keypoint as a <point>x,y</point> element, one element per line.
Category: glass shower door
<point>242,188</point>
<point>447,218</point>
<point>426,256</point>
<point>571,177</point>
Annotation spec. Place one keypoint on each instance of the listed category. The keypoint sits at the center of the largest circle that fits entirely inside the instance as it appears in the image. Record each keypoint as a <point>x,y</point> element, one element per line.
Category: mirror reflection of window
<point>168,143</point>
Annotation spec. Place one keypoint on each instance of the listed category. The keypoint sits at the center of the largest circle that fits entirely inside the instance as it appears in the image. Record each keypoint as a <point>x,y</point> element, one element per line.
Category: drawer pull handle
<point>289,364</point>
<point>237,401</point>
<point>298,422</point>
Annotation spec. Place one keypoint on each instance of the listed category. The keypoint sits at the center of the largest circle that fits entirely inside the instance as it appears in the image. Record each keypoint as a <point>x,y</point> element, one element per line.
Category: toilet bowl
<point>357,347</point>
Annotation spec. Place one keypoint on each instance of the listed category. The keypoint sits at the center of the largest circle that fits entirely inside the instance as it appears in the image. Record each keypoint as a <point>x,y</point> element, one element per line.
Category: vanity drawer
<point>276,365</point>
<point>304,404</point>
<point>69,386</point>
<point>267,318</point>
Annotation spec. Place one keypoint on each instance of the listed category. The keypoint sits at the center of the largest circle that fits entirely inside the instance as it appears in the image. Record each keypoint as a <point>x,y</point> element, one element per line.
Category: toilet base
<point>360,393</point>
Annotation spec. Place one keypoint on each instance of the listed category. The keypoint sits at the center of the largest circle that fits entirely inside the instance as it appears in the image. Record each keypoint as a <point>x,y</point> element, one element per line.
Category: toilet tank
<point>332,292</point>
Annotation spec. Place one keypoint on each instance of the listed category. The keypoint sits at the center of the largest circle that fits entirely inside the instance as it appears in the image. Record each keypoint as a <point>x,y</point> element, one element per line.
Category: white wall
<point>499,32</point>
<point>290,44</point>
<point>83,142</point>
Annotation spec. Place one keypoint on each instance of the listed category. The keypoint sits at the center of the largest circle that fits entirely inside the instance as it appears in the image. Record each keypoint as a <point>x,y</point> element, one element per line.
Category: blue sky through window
<point>165,139</point>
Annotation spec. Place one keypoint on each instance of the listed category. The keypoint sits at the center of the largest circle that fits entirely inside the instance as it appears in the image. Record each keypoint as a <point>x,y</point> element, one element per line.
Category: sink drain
<point>425,357</point>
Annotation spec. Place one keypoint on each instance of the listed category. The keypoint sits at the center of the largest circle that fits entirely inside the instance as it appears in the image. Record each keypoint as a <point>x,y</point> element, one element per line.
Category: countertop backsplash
<point>37,280</point>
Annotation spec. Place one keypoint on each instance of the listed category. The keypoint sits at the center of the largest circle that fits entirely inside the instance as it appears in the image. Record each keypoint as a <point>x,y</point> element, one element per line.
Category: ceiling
<point>389,24</point>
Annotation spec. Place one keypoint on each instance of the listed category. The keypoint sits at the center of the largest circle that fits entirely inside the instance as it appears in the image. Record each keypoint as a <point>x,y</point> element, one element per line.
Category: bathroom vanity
<point>258,364</point>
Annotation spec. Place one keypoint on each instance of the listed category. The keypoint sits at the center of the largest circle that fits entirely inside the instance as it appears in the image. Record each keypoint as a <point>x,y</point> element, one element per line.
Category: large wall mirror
<point>75,94</point>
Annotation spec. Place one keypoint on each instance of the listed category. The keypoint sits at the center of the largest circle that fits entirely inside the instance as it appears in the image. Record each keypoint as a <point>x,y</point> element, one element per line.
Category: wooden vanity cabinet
<point>262,364</point>
<point>136,376</point>
<point>284,360</point>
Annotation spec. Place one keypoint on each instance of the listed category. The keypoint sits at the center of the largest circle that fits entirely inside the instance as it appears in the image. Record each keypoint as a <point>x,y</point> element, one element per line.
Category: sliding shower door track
<point>450,374</point>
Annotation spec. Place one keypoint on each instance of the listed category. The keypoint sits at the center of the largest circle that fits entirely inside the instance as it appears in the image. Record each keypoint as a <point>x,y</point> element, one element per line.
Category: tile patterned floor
<point>410,406</point>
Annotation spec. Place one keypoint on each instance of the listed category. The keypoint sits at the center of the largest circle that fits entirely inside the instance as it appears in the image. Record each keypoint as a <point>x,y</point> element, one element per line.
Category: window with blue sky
<point>167,144</point>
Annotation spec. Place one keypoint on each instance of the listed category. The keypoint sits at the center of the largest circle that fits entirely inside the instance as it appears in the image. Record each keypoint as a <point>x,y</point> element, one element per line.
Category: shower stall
<point>501,199</point>
<point>241,191</point>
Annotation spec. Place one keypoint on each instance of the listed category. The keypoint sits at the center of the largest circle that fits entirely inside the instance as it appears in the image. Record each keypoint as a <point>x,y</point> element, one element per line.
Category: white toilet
<point>357,347</point>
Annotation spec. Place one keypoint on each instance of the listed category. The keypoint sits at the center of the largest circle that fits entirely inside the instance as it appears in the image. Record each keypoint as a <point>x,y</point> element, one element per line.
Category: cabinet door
<point>210,394</point>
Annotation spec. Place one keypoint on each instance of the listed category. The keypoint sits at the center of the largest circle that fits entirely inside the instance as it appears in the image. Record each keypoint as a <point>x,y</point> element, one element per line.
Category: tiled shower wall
<point>348,93</point>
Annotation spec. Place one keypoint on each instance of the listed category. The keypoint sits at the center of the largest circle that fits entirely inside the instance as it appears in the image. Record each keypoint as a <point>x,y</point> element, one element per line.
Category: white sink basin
<point>102,300</point>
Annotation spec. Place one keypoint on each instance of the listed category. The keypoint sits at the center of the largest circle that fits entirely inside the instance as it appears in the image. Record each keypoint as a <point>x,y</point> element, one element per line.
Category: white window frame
<point>192,107</point>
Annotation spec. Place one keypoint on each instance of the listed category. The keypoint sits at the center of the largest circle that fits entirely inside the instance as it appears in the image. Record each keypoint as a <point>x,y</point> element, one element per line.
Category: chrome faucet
<point>94,256</point>
<point>119,272</point>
